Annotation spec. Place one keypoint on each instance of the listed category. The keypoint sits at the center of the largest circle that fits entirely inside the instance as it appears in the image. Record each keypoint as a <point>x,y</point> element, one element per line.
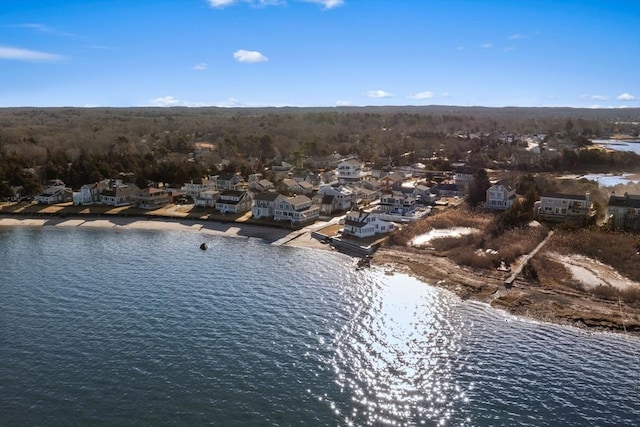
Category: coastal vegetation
<point>175,145</point>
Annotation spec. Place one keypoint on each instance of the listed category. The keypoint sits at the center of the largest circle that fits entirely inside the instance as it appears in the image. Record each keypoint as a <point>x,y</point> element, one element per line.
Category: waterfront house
<point>151,198</point>
<point>448,190</point>
<point>463,177</point>
<point>361,224</point>
<point>397,203</point>
<point>90,193</point>
<point>193,189</point>
<point>345,197</point>
<point>296,209</point>
<point>118,194</point>
<point>55,191</point>
<point>16,192</point>
<point>207,198</point>
<point>570,208</point>
<point>328,204</point>
<point>233,201</point>
<point>264,204</point>
<point>624,211</point>
<point>424,194</point>
<point>500,196</point>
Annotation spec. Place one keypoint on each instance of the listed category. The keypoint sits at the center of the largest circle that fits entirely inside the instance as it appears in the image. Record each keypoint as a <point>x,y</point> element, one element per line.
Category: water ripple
<point>130,328</point>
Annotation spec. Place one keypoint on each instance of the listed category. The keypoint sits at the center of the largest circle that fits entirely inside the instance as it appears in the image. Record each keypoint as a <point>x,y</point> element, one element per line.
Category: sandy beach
<point>277,236</point>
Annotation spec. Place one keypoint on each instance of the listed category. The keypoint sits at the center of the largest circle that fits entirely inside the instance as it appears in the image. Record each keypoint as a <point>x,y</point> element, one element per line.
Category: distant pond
<point>620,144</point>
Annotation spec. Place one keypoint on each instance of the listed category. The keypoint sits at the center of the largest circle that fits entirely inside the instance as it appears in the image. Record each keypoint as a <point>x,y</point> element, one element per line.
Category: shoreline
<point>270,235</point>
<point>524,298</point>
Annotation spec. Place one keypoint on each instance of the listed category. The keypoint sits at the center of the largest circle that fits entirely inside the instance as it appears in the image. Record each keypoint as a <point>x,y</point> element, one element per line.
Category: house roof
<point>356,218</point>
<point>565,196</point>
<point>507,185</point>
<point>233,193</point>
<point>353,162</point>
<point>627,201</point>
<point>298,199</point>
<point>306,185</point>
<point>226,176</point>
<point>267,196</point>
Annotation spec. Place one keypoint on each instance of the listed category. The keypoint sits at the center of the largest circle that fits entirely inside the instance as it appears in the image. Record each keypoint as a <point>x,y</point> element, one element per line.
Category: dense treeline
<point>174,145</point>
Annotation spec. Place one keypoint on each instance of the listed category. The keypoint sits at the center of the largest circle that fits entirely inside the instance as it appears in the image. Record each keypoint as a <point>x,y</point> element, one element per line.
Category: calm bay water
<point>144,328</point>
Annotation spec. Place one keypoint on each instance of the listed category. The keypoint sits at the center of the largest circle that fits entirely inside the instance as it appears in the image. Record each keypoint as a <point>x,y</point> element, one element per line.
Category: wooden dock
<point>509,282</point>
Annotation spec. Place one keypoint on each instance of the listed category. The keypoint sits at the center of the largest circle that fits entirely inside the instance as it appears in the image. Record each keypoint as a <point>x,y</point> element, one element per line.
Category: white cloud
<point>445,95</point>
<point>171,101</point>
<point>326,4</point>
<point>165,101</point>
<point>18,54</point>
<point>221,3</point>
<point>200,66</point>
<point>422,95</point>
<point>341,103</point>
<point>249,56</point>
<point>626,97</point>
<point>486,45</point>
<point>594,97</point>
<point>516,37</point>
<point>43,29</point>
<point>379,94</point>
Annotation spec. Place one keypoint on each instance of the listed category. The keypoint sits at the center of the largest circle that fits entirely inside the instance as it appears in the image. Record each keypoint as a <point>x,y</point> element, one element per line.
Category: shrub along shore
<point>548,289</point>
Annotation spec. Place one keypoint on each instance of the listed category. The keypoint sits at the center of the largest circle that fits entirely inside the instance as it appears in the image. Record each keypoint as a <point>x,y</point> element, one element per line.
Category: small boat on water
<point>204,246</point>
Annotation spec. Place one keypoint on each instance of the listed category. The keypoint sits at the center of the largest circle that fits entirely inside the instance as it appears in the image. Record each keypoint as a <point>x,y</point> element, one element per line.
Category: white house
<point>345,197</point>
<point>296,209</point>
<point>264,204</point>
<point>500,196</point>
<point>119,194</point>
<point>193,189</point>
<point>233,201</point>
<point>397,203</point>
<point>350,171</point>
<point>365,224</point>
<point>90,193</point>
<point>151,198</point>
<point>624,211</point>
<point>54,192</point>
<point>565,208</point>
<point>228,181</point>
<point>207,198</point>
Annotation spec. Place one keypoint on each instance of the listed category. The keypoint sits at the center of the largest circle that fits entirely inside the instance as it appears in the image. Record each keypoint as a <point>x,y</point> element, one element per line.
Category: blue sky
<point>124,53</point>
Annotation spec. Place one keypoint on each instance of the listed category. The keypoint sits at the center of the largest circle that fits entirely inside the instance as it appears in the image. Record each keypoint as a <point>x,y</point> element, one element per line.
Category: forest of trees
<point>174,145</point>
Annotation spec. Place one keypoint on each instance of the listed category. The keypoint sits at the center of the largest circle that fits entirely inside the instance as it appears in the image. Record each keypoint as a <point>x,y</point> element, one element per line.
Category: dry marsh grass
<point>619,250</point>
<point>457,217</point>
<point>484,250</point>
